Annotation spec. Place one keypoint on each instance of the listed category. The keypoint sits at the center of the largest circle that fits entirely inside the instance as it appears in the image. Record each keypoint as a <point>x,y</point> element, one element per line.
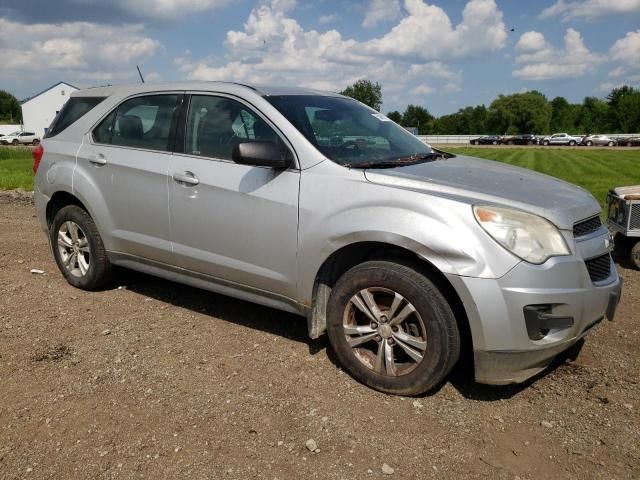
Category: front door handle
<point>186,178</point>
<point>97,160</point>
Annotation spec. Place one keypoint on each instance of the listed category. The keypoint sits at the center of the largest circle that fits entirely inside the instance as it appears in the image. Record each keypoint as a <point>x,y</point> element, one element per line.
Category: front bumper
<point>505,350</point>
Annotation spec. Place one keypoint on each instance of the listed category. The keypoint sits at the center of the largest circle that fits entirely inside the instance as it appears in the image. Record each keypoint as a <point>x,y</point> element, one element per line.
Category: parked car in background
<point>20,138</point>
<point>486,140</point>
<point>524,139</point>
<point>591,140</point>
<point>628,141</point>
<point>418,254</point>
<point>561,139</point>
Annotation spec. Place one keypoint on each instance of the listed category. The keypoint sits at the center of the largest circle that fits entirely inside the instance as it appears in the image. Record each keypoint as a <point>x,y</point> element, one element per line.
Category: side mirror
<point>261,154</point>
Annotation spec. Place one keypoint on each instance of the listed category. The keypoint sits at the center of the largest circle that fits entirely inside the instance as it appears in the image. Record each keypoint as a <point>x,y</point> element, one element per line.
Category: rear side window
<point>75,108</point>
<point>141,122</point>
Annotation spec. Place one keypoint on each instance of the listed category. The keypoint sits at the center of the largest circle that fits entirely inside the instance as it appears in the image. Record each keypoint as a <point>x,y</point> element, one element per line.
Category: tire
<point>610,144</point>
<point>430,327</point>
<point>629,144</point>
<point>510,142</point>
<point>91,269</point>
<point>15,142</point>
<point>494,142</point>
<point>572,143</point>
<point>589,143</point>
<point>475,143</point>
<point>634,255</point>
<point>546,143</point>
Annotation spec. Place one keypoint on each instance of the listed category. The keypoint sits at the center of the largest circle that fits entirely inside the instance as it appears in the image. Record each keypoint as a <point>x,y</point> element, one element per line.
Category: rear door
<point>235,222</point>
<point>127,157</point>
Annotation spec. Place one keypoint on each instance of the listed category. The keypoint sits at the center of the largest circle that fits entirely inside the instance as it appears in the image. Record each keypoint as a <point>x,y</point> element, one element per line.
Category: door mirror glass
<point>263,154</point>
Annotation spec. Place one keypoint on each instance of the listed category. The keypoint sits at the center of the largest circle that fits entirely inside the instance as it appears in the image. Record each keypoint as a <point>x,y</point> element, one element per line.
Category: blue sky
<point>443,55</point>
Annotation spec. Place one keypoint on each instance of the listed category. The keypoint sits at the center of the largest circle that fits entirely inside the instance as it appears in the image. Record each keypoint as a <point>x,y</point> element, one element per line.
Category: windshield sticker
<point>381,117</point>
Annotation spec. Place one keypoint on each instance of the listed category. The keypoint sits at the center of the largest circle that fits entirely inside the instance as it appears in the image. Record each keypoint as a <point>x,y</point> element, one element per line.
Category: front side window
<point>348,132</point>
<point>141,122</point>
<point>215,125</point>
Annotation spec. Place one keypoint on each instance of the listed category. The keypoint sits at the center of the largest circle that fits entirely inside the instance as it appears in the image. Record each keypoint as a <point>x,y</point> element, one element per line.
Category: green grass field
<point>597,170</point>
<point>15,168</point>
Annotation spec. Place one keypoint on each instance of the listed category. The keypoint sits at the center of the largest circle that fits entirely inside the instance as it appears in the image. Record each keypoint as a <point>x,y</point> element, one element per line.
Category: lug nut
<point>374,325</point>
<point>378,338</point>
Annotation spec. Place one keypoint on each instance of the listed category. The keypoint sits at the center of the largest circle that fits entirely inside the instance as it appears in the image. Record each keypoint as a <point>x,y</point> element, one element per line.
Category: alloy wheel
<point>385,331</point>
<point>73,246</point>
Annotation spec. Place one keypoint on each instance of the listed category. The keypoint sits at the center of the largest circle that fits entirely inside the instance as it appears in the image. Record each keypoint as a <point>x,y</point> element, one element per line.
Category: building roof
<point>46,90</point>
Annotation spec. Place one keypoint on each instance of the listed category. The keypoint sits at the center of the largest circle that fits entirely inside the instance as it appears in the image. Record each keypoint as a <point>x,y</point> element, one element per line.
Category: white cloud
<point>80,48</point>
<point>381,11</point>
<point>531,41</point>
<point>410,61</point>
<point>167,9</point>
<point>590,9</point>
<point>627,49</point>
<point>327,18</point>
<point>547,62</point>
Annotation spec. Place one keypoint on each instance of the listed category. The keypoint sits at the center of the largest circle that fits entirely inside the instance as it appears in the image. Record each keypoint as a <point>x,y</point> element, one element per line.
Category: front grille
<point>634,221</point>
<point>587,226</point>
<point>599,268</point>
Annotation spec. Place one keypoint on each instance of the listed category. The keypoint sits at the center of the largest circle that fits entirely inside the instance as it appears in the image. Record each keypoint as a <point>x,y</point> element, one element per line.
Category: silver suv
<point>313,203</point>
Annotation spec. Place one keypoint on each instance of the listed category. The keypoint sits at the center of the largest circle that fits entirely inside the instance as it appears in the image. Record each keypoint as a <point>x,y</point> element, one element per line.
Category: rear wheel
<point>546,143</point>
<point>589,143</point>
<point>572,143</point>
<point>610,144</point>
<point>15,142</point>
<point>635,255</point>
<point>392,329</point>
<point>78,249</point>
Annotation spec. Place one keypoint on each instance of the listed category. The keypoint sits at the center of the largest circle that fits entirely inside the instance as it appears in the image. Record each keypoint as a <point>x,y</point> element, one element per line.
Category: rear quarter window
<point>75,108</point>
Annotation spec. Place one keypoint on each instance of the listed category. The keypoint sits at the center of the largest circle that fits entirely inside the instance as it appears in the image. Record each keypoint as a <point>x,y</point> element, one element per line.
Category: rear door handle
<point>186,178</point>
<point>97,160</point>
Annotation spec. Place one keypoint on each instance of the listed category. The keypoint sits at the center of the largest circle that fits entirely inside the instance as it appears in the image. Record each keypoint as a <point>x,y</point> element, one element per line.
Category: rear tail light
<point>37,156</point>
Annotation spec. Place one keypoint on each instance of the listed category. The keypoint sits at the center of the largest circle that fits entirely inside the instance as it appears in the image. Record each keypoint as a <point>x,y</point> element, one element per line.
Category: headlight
<point>527,236</point>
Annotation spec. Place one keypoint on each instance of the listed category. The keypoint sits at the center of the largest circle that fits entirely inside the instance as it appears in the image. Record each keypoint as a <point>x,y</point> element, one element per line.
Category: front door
<point>234,222</point>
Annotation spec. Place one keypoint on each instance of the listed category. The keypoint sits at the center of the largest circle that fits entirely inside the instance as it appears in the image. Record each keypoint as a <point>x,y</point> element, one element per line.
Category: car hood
<point>477,181</point>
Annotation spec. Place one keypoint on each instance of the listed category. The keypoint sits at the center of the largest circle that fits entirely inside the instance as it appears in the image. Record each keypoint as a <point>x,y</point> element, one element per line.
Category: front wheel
<point>589,143</point>
<point>572,143</point>
<point>15,143</point>
<point>78,249</point>
<point>546,143</point>
<point>610,144</point>
<point>392,329</point>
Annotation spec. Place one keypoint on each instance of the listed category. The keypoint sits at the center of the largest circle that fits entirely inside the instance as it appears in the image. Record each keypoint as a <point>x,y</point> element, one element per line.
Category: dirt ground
<point>151,379</point>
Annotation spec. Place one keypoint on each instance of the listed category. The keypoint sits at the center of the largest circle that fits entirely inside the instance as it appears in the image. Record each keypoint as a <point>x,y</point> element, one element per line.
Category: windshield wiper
<point>397,162</point>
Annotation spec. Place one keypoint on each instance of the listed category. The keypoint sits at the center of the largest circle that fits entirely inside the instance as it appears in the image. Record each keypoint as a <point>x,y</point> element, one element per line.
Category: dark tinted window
<point>144,122</point>
<point>102,133</point>
<point>215,125</point>
<point>75,108</point>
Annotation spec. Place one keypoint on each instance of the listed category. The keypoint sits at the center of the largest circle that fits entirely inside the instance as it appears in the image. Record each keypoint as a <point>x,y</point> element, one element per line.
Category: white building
<point>39,111</point>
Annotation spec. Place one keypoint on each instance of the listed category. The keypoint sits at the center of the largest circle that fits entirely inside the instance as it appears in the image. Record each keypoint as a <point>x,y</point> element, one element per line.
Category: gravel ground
<point>151,379</point>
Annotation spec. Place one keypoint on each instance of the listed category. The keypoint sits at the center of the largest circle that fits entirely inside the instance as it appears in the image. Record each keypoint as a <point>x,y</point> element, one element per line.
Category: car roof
<point>263,90</point>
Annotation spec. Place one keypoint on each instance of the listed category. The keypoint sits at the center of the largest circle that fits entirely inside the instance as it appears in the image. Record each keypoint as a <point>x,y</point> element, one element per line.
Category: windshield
<point>350,133</point>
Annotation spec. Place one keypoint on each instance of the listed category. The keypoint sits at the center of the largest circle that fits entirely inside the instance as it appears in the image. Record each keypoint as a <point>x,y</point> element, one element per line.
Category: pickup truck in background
<point>561,139</point>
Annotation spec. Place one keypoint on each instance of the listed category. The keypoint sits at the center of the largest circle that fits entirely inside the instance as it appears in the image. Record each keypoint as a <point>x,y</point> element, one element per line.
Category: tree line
<point>527,112</point>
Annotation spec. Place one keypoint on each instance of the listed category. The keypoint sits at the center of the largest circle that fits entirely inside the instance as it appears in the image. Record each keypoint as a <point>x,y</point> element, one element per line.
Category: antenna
<point>140,73</point>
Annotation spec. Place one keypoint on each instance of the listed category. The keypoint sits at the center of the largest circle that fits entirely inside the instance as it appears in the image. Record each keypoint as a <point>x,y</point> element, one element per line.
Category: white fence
<point>465,139</point>
<point>7,129</point>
